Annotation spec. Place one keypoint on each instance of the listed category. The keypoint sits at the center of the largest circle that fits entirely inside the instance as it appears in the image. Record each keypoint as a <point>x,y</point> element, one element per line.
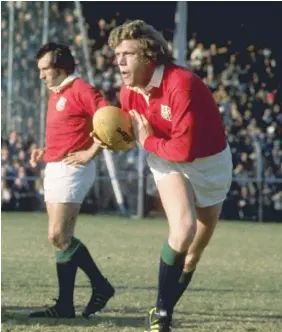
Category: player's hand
<point>78,158</point>
<point>97,141</point>
<point>36,156</point>
<point>141,126</point>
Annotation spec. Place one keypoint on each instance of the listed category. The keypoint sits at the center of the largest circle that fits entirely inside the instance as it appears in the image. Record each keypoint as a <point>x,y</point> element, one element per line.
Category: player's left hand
<point>78,158</point>
<point>98,142</point>
<point>141,126</point>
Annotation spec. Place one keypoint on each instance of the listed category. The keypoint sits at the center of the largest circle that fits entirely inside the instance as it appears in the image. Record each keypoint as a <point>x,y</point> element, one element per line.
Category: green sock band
<point>64,256</point>
<point>170,256</point>
<point>185,276</point>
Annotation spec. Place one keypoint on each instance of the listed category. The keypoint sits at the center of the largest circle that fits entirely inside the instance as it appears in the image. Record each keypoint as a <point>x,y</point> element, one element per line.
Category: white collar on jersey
<point>155,81</point>
<point>156,78</point>
<point>65,82</point>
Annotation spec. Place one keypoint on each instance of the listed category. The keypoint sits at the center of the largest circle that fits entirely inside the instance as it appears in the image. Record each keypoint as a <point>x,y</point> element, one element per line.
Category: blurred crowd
<point>243,83</point>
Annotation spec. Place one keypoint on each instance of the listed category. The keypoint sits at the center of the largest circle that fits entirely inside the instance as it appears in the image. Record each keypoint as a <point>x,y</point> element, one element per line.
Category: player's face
<point>52,77</point>
<point>134,70</point>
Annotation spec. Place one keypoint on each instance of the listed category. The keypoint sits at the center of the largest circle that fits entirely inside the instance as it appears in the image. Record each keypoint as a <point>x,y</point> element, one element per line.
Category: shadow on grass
<point>134,317</point>
<point>18,315</point>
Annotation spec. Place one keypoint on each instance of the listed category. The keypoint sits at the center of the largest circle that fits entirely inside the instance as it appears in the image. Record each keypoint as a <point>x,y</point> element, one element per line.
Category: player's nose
<point>121,60</point>
<point>42,76</point>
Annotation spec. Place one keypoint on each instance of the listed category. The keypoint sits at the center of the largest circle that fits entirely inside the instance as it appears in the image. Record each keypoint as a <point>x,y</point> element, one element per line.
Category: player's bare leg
<point>178,201</point>
<point>207,218</point>
<point>61,224</point>
<point>71,254</point>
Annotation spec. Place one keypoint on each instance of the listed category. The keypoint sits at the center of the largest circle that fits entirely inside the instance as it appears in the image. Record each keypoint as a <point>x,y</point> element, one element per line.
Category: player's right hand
<point>141,127</point>
<point>36,156</point>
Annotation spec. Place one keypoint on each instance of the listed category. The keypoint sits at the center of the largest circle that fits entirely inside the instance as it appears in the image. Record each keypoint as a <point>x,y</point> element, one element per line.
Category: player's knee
<point>58,240</point>
<point>181,237</point>
<point>54,238</point>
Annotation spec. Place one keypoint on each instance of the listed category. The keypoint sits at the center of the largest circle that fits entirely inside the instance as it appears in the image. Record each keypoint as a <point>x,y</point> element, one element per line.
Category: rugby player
<point>69,174</point>
<point>177,121</point>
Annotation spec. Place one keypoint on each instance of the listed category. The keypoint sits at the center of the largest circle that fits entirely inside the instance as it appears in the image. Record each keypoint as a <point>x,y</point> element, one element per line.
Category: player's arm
<point>94,149</point>
<point>91,100</point>
<point>36,156</point>
<point>82,157</point>
<point>177,148</point>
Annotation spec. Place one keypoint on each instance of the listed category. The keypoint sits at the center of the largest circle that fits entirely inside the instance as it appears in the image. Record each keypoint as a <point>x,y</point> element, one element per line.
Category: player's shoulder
<point>80,84</point>
<point>178,77</point>
<point>81,87</point>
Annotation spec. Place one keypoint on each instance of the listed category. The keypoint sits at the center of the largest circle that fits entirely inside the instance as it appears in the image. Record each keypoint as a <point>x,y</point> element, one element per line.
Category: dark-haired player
<point>69,174</point>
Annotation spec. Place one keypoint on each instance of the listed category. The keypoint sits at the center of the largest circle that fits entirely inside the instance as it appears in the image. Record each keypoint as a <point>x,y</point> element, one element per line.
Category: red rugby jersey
<point>69,119</point>
<point>182,112</point>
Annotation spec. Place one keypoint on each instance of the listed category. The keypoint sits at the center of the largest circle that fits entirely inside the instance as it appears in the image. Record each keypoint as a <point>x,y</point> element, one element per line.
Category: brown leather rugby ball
<point>113,127</point>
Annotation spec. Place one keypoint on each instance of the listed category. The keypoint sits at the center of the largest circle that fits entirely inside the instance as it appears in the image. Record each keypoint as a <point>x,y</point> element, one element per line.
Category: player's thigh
<point>62,219</point>
<point>177,198</point>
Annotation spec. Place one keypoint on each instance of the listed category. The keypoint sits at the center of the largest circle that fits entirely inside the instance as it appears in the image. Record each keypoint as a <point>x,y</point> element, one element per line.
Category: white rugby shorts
<point>67,184</point>
<point>210,177</point>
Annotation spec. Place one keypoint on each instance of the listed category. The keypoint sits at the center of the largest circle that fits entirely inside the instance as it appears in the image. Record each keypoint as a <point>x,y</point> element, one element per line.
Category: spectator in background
<point>277,200</point>
<point>21,195</point>
<point>5,156</point>
<point>6,196</point>
<point>197,57</point>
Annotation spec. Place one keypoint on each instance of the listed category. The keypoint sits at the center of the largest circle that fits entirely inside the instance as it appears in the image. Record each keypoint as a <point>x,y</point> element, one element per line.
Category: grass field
<point>237,286</point>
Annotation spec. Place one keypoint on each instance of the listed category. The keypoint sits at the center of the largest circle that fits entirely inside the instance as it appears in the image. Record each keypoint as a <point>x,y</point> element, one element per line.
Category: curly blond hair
<point>153,46</point>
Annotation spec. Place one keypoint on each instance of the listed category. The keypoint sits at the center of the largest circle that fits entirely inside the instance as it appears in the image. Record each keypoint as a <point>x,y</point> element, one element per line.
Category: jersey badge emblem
<point>166,112</point>
<point>61,104</point>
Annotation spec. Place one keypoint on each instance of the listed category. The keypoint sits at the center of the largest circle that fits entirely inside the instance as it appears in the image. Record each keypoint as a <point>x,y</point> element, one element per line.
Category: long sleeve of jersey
<point>92,100</point>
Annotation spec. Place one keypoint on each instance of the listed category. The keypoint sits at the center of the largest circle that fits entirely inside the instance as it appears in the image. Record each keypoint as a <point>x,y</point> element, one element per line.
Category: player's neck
<point>61,79</point>
<point>62,83</point>
<point>148,74</point>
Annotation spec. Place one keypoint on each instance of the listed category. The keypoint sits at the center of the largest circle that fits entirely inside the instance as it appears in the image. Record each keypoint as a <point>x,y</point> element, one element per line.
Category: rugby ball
<point>113,127</point>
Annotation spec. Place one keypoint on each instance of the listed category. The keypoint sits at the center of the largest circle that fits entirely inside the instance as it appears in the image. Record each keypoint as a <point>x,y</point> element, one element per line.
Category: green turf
<point>237,286</point>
